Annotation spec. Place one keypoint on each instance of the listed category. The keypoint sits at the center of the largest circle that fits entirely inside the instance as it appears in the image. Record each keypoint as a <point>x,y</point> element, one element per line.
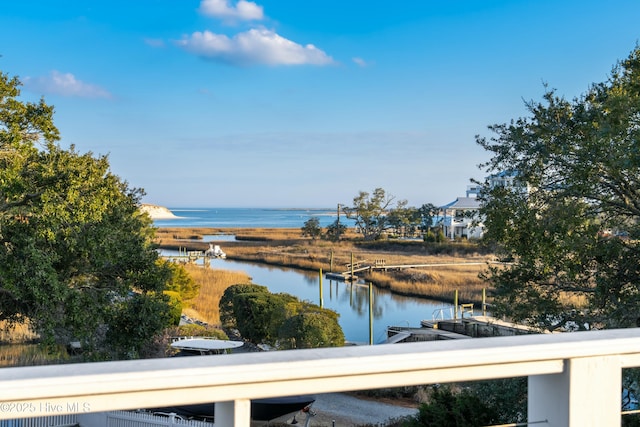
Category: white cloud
<point>243,10</point>
<point>64,84</point>
<point>256,46</point>
<point>359,61</point>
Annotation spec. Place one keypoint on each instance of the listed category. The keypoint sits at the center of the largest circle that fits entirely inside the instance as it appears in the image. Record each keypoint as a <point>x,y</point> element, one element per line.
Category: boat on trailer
<point>261,409</point>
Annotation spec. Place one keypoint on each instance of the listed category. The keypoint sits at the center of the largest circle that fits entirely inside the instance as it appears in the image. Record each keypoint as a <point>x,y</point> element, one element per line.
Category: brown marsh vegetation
<point>451,266</point>
<point>213,283</point>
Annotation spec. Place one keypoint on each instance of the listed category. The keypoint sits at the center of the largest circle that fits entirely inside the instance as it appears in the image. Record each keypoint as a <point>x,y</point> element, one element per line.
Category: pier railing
<point>575,379</point>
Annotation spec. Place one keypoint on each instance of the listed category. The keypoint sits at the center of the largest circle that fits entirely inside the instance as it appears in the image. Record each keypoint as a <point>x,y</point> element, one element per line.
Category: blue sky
<point>225,103</point>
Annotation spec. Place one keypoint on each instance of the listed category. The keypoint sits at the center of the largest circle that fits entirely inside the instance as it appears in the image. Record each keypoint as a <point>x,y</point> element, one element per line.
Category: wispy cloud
<point>361,62</point>
<point>243,10</point>
<point>154,42</point>
<point>64,84</point>
<point>256,46</point>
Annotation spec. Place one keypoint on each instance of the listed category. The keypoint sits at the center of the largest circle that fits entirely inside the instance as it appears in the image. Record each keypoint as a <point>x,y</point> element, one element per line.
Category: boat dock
<point>464,328</point>
<point>354,268</point>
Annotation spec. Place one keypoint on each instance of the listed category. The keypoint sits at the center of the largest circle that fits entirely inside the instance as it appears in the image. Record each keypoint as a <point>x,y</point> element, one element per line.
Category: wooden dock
<point>381,265</point>
<point>463,328</point>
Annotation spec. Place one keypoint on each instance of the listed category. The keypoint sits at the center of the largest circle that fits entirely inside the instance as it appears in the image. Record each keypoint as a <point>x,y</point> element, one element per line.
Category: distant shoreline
<point>157,212</point>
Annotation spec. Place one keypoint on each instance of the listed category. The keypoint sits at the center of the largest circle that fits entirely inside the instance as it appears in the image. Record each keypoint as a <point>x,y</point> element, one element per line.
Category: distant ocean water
<point>249,217</point>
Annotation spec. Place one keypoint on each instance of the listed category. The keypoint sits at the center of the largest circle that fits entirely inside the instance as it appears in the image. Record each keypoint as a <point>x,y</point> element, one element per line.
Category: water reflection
<point>351,301</point>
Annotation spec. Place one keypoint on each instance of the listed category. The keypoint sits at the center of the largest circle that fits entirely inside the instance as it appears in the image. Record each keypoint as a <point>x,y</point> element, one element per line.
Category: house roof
<point>463,203</point>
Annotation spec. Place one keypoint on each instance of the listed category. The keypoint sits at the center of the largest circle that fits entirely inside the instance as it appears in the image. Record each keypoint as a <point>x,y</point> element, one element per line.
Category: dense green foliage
<point>311,328</point>
<point>311,228</point>
<point>570,226</point>
<point>260,314</point>
<point>280,320</point>
<point>370,212</point>
<point>76,258</point>
<point>226,305</point>
<point>376,214</point>
<point>453,409</point>
<point>335,231</point>
<point>181,282</point>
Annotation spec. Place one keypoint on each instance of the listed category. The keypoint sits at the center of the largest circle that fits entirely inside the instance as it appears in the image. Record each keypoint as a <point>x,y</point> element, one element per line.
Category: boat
<point>214,251</point>
<point>204,346</point>
<point>261,409</point>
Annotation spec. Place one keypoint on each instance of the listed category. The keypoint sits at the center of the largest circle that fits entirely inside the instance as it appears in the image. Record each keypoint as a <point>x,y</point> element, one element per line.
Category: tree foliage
<point>76,255</point>
<point>449,408</point>
<point>403,219</point>
<point>426,214</point>
<point>370,212</point>
<point>226,305</point>
<point>279,320</point>
<point>571,225</point>
<point>311,228</point>
<point>181,282</point>
<point>335,230</point>
<point>260,314</point>
<point>311,328</point>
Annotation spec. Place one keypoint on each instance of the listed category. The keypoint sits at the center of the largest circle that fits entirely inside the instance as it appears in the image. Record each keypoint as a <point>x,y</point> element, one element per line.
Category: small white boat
<point>214,251</point>
<point>203,345</point>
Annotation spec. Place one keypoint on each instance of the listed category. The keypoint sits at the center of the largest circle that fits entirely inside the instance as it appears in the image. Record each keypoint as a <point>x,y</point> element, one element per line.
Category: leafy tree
<point>312,228</point>
<point>260,314</point>
<point>175,303</point>
<point>571,223</point>
<point>76,254</point>
<point>370,212</point>
<point>181,282</point>
<point>226,305</point>
<point>279,319</point>
<point>335,230</point>
<point>506,397</point>
<point>311,329</point>
<point>404,219</point>
<point>449,408</point>
<point>427,213</point>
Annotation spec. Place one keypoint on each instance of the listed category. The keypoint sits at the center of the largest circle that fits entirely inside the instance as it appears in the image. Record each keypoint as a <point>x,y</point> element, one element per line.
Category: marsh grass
<point>287,248</point>
<point>213,282</point>
<point>16,333</point>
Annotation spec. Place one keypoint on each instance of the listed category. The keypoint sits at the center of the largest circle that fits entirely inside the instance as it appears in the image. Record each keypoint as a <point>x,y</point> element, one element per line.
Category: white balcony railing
<point>574,378</point>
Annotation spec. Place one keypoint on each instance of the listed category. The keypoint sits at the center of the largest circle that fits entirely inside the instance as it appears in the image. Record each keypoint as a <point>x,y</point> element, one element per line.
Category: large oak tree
<point>570,227</point>
<point>76,256</point>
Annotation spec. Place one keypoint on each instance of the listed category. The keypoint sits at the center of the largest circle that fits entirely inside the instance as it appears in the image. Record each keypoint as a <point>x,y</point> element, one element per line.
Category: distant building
<point>508,180</point>
<point>456,218</point>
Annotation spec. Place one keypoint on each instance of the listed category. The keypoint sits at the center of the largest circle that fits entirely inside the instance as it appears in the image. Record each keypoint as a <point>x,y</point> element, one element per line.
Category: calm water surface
<point>249,217</point>
<point>350,301</point>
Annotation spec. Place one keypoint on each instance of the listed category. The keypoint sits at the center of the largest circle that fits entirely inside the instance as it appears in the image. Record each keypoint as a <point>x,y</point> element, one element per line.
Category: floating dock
<point>464,328</point>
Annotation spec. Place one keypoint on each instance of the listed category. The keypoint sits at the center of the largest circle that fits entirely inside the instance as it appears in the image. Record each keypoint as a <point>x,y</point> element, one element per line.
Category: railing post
<point>587,393</point>
<point>236,413</point>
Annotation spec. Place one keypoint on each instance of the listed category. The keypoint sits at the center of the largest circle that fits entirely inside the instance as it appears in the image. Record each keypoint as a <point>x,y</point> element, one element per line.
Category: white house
<point>508,179</point>
<point>457,216</point>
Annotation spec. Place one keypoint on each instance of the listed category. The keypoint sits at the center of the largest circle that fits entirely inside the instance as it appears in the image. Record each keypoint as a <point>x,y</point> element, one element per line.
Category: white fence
<point>575,379</point>
<point>107,419</point>
<point>136,419</point>
<point>66,420</point>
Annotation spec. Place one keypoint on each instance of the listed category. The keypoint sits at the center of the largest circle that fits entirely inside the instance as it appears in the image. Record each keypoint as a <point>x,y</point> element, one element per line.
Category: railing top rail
<point>157,382</point>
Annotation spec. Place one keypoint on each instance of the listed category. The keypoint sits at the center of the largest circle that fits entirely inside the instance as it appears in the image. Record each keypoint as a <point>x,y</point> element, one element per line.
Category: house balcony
<point>574,379</point>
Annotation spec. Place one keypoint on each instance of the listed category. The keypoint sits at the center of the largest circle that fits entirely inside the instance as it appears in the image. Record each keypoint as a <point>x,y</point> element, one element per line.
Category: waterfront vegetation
<point>457,265</point>
<point>212,282</point>
<point>77,263</point>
